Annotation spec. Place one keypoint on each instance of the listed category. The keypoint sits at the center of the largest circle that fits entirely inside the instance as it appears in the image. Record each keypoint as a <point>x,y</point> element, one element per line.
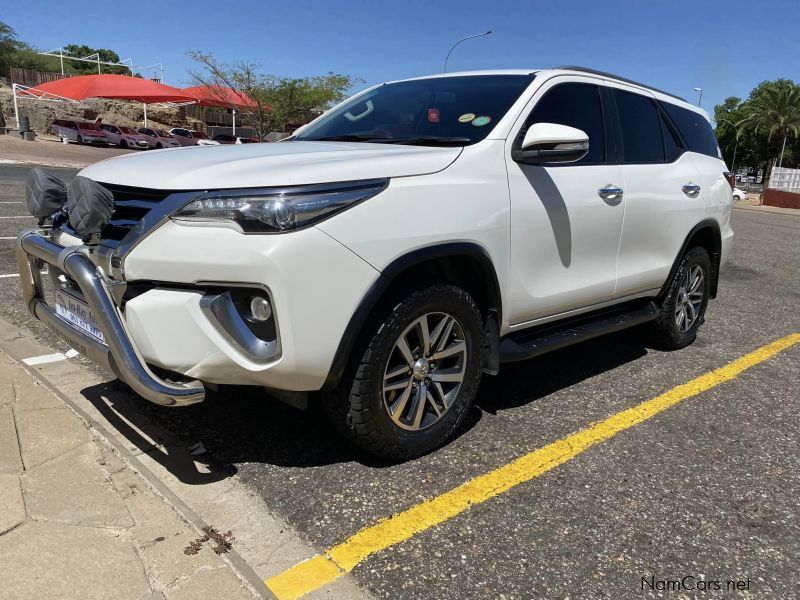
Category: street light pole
<point>700,100</point>
<point>469,37</point>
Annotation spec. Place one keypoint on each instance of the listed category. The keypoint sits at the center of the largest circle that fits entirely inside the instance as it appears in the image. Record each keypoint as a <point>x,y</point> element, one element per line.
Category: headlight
<point>275,210</point>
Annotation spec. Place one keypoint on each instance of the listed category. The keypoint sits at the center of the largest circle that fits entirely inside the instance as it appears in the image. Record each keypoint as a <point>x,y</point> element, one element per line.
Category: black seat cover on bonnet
<point>45,194</point>
<point>89,206</point>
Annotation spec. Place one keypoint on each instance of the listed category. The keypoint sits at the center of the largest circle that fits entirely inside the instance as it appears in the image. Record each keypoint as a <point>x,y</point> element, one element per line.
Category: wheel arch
<point>707,235</point>
<point>466,264</point>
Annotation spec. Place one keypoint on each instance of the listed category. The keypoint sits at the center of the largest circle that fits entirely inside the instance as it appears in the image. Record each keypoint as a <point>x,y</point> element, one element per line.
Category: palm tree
<point>776,112</point>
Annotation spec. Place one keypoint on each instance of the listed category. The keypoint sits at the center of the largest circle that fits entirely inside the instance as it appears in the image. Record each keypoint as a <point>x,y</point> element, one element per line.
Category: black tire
<point>80,139</point>
<point>123,144</point>
<point>670,333</point>
<point>736,198</point>
<point>159,146</point>
<point>358,409</point>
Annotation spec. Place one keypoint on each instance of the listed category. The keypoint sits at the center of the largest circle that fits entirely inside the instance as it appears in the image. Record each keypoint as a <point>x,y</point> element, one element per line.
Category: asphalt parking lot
<point>706,489</point>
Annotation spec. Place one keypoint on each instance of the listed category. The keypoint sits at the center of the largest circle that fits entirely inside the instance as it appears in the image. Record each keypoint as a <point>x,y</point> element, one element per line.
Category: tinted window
<point>576,105</point>
<point>694,128</point>
<point>463,107</point>
<point>641,128</point>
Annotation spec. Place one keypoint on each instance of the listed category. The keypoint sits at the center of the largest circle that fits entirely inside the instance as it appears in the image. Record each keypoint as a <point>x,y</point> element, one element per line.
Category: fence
<point>32,78</point>
<point>785,180</point>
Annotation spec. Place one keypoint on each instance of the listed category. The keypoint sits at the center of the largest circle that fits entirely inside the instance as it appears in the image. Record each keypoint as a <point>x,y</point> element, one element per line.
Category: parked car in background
<point>224,138</point>
<point>124,137</point>
<point>81,132</point>
<point>191,137</point>
<point>739,194</point>
<point>157,138</point>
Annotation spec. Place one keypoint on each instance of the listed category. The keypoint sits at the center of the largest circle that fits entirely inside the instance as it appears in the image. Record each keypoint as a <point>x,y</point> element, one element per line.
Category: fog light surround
<point>260,308</point>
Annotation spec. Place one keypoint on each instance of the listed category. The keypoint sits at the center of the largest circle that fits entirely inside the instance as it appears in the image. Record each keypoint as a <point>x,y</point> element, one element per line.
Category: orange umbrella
<point>221,96</point>
<point>116,87</point>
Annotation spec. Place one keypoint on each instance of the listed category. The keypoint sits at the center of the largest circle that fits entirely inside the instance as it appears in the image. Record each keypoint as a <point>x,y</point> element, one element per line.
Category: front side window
<point>459,110</point>
<point>575,105</point>
<point>641,128</point>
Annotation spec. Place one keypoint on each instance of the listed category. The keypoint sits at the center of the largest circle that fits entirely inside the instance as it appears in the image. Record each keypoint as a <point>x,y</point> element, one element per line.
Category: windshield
<point>449,110</point>
<point>199,135</point>
<point>127,130</point>
<point>88,126</point>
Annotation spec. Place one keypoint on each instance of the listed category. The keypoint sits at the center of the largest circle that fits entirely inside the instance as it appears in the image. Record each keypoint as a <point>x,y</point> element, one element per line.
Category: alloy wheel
<point>690,298</point>
<point>425,371</point>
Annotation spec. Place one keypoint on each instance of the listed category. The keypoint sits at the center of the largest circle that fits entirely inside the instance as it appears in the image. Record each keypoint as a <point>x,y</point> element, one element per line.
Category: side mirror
<point>550,143</point>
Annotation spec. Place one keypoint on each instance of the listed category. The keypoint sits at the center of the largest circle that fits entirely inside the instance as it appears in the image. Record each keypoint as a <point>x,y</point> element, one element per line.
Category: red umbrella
<point>117,87</point>
<point>217,95</point>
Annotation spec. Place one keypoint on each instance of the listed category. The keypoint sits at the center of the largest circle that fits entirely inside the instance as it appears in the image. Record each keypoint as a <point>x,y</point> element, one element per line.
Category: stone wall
<point>118,112</point>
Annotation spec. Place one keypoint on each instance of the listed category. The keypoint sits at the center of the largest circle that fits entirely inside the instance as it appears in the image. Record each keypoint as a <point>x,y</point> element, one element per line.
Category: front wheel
<point>410,386</point>
<point>683,309</point>
<point>80,139</point>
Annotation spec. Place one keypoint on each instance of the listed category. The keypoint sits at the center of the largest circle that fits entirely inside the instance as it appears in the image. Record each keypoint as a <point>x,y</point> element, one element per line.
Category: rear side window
<point>576,105</point>
<point>694,128</point>
<point>641,128</point>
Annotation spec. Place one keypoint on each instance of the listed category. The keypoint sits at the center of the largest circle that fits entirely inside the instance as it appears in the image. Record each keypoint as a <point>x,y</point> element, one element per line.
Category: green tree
<point>771,112</point>
<point>8,47</point>
<point>279,101</point>
<point>87,68</point>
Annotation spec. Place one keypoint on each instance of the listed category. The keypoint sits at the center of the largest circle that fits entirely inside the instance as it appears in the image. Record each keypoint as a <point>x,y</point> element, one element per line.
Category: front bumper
<point>121,356</point>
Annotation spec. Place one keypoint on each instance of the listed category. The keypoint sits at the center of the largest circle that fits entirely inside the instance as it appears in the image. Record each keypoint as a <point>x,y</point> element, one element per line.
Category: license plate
<point>79,315</point>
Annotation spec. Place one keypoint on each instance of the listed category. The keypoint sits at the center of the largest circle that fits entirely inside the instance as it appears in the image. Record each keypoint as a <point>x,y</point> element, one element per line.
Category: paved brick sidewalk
<point>77,522</point>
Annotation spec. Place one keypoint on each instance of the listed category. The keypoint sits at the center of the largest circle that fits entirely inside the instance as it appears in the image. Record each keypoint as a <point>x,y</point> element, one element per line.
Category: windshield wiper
<point>428,140</point>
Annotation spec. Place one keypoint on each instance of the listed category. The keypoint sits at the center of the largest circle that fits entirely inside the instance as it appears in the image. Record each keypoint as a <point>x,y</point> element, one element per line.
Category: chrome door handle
<point>610,192</point>
<point>691,189</point>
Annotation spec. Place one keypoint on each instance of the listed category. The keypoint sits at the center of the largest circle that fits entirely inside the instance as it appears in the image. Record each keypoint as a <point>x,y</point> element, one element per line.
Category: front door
<point>566,219</point>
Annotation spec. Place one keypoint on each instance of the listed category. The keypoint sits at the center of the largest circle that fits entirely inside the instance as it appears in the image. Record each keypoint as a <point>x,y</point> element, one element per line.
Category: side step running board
<point>532,342</point>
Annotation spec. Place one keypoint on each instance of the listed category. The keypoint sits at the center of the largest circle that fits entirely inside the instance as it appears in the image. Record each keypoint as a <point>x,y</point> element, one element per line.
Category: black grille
<point>130,207</point>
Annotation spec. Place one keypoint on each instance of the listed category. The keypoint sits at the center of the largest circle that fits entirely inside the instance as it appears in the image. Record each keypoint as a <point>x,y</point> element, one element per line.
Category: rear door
<point>564,234</point>
<point>664,192</point>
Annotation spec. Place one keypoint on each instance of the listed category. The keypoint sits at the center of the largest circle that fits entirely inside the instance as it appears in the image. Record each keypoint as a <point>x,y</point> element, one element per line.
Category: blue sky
<point>725,47</point>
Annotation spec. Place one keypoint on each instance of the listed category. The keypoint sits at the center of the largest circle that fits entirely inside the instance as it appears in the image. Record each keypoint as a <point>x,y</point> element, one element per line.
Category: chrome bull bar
<point>120,356</point>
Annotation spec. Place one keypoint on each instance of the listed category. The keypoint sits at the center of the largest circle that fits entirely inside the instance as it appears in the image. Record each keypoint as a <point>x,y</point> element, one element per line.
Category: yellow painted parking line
<point>335,562</point>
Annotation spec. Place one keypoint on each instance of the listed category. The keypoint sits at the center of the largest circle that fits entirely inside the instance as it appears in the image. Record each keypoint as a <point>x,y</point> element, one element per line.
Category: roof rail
<point>618,78</point>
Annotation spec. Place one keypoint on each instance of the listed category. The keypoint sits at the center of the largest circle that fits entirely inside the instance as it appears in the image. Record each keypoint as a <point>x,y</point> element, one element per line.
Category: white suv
<point>410,239</point>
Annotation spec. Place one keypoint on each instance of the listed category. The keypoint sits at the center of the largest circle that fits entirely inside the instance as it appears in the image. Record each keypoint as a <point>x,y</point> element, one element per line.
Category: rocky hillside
<point>42,114</point>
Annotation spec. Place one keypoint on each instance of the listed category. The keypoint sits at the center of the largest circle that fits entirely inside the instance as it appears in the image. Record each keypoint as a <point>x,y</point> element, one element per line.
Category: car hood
<point>268,164</point>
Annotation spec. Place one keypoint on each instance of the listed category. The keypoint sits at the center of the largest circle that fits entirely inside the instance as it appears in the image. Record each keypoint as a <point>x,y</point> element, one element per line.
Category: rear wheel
<point>123,144</point>
<point>80,139</point>
<point>683,309</point>
<point>159,146</point>
<point>409,388</point>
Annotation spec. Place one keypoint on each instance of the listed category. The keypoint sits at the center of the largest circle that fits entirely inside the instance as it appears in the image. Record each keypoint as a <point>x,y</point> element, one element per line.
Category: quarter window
<point>576,105</point>
<point>694,128</point>
<point>641,128</point>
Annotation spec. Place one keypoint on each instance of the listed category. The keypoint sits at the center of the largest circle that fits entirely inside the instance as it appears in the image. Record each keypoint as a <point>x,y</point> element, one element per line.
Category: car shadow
<point>239,425</point>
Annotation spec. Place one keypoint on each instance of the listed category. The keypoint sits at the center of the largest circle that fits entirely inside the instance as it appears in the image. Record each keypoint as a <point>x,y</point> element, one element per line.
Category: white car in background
<point>739,194</point>
<point>124,137</point>
<point>191,137</point>
<point>158,139</point>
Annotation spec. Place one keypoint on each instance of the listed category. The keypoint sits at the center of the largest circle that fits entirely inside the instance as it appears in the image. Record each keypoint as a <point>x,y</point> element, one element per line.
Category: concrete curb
<point>240,567</point>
